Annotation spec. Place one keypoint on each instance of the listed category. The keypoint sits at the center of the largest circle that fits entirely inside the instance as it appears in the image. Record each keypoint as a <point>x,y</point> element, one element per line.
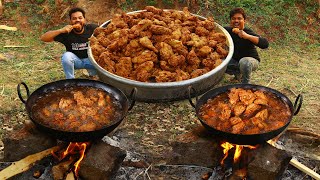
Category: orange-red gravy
<point>76,109</point>
<point>220,112</point>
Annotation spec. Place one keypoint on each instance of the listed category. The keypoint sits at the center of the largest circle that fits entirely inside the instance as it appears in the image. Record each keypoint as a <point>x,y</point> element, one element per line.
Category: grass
<point>290,67</point>
<point>294,72</point>
<point>31,64</point>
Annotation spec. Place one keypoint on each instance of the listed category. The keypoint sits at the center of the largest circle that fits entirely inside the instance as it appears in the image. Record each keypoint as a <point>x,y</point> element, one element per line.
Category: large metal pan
<point>243,139</point>
<point>118,95</point>
<point>167,91</point>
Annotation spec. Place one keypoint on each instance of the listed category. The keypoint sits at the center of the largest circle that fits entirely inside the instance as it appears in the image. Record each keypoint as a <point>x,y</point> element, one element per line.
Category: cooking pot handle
<point>297,105</point>
<point>132,97</point>
<point>19,91</point>
<point>189,93</point>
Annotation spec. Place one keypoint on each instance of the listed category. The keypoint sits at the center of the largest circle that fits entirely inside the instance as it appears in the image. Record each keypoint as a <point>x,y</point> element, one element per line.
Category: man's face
<point>77,18</point>
<point>237,21</point>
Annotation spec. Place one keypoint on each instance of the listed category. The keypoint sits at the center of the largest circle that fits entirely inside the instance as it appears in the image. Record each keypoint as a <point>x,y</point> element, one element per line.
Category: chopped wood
<point>14,46</point>
<point>5,27</point>
<point>25,163</point>
<point>61,169</point>
<point>304,169</point>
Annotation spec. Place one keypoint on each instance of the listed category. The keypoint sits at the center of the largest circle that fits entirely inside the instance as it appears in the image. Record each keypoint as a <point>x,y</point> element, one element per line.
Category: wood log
<point>5,27</point>
<point>25,163</point>
<point>303,132</point>
<point>14,46</point>
<point>61,169</point>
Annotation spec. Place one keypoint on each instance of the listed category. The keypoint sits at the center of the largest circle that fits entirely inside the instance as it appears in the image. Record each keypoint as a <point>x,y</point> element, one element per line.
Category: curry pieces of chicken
<point>245,111</point>
<point>158,45</point>
<point>76,109</point>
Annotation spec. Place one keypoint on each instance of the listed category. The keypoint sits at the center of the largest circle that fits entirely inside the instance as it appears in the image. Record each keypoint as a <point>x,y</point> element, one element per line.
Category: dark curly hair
<point>238,10</point>
<point>77,9</point>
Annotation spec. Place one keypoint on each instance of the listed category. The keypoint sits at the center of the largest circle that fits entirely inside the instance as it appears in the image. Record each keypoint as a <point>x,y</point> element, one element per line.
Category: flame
<point>241,173</point>
<point>74,148</point>
<point>237,153</point>
<point>273,142</point>
<point>83,147</point>
<point>227,146</point>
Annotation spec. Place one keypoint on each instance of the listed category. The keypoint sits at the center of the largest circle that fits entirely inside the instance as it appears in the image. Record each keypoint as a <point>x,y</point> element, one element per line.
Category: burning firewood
<point>61,169</point>
<point>25,163</point>
<point>70,176</point>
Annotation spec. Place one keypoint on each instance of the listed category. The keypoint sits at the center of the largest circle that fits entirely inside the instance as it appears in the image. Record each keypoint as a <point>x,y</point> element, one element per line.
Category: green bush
<point>274,18</point>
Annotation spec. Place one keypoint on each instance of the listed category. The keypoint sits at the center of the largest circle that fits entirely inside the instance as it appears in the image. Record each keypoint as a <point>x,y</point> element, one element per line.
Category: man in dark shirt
<point>75,38</point>
<point>245,58</point>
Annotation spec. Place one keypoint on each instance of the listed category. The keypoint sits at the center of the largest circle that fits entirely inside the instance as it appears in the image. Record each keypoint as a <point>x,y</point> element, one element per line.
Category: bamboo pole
<point>299,165</point>
<point>304,169</point>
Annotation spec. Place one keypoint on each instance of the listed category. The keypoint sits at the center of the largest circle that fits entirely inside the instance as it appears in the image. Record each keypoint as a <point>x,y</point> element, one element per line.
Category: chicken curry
<point>76,109</point>
<point>245,111</point>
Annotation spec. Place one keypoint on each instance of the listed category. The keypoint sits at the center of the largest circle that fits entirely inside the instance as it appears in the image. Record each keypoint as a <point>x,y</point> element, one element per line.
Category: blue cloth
<point>70,62</point>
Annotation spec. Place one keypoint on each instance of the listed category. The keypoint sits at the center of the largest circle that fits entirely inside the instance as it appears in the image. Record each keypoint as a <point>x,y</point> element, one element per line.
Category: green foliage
<point>40,1</point>
<point>151,2</point>
<point>168,2</point>
<point>30,10</point>
<point>10,9</point>
<point>127,5</point>
<point>71,1</point>
<point>276,19</point>
<point>52,3</point>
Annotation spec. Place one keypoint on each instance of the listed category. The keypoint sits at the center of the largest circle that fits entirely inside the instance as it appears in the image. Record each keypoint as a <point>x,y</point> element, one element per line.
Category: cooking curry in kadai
<point>245,111</point>
<point>76,109</point>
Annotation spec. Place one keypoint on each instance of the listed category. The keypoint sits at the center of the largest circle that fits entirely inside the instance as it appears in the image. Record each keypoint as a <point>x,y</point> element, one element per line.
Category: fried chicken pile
<point>158,46</point>
<point>245,111</point>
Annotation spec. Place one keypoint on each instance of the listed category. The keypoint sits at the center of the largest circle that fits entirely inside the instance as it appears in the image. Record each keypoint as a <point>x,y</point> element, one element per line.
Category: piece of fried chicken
<point>146,42</point>
<point>124,67</point>
<point>165,76</point>
<point>144,56</point>
<point>166,51</point>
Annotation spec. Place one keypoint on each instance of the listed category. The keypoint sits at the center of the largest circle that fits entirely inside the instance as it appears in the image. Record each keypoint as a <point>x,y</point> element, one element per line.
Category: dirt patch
<point>99,11</point>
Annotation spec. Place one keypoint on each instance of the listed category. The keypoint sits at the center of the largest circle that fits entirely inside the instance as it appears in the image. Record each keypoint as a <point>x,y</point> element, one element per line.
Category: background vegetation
<point>290,65</point>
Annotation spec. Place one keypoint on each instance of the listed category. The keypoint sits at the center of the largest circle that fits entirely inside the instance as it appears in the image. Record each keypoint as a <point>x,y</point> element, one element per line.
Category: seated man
<point>245,58</point>
<point>75,38</point>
